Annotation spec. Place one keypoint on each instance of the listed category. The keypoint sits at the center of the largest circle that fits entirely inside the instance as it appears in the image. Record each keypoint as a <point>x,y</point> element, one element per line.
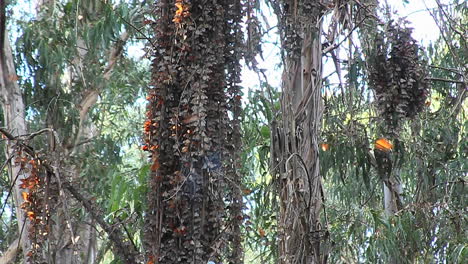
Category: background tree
<point>359,228</point>
<point>62,78</point>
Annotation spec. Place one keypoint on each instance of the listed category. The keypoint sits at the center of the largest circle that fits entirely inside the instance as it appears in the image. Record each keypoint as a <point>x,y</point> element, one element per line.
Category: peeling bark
<point>301,233</point>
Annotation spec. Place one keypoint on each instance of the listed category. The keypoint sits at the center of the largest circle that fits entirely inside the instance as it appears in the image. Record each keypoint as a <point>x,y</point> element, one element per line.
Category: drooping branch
<point>445,80</point>
<point>10,254</point>
<point>122,249</point>
<point>91,97</point>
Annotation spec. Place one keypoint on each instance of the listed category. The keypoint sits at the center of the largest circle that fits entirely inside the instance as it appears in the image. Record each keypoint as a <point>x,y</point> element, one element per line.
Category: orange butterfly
<point>383,144</point>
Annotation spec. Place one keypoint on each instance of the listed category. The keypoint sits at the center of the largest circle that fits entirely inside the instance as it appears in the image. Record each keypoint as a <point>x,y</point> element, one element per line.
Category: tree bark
<point>301,233</point>
<point>14,118</point>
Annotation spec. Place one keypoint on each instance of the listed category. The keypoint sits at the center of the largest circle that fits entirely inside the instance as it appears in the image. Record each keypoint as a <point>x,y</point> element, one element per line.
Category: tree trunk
<point>392,190</point>
<point>189,135</point>
<point>300,189</point>
<point>13,116</point>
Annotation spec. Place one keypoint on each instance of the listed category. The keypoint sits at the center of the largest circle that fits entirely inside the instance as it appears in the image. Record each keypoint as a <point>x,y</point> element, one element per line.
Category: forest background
<point>391,157</point>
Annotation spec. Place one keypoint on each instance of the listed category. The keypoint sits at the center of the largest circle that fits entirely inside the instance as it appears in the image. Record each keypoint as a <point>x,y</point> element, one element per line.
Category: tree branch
<point>336,45</point>
<point>447,69</point>
<point>443,80</point>
<point>115,53</point>
<point>122,249</point>
<point>10,254</point>
<point>125,252</point>
<point>91,97</point>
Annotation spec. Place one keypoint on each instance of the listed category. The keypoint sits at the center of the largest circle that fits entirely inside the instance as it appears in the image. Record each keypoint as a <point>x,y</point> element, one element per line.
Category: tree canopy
<point>162,132</point>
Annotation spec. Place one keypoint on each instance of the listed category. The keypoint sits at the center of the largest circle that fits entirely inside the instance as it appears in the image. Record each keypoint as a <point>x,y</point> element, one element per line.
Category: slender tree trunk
<point>392,190</point>
<point>14,118</point>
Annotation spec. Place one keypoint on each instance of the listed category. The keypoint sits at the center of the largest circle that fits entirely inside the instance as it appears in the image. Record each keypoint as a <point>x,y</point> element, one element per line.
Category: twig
<point>443,80</point>
<point>336,45</point>
<point>447,69</point>
<point>138,30</point>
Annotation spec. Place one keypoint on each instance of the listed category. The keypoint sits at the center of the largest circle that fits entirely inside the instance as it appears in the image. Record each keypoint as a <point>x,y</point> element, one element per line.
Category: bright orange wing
<point>383,144</point>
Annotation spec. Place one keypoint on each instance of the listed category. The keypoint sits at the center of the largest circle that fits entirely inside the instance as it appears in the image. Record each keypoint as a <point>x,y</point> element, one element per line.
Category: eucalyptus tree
<point>64,89</point>
<point>415,106</point>
<point>13,117</point>
<point>192,133</point>
<point>301,230</point>
<point>382,59</point>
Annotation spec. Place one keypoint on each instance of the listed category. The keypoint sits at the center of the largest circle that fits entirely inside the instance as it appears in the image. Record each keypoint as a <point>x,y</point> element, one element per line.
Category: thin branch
<point>7,134</point>
<point>127,253</point>
<point>336,45</point>
<point>138,30</point>
<point>28,149</point>
<point>443,80</point>
<point>34,134</point>
<point>129,237</point>
<point>442,34</point>
<point>447,69</point>
<point>459,180</point>
<point>450,21</point>
<point>65,207</point>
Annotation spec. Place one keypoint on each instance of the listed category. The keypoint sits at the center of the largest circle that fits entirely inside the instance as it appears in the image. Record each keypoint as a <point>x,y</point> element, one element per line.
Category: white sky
<point>425,31</point>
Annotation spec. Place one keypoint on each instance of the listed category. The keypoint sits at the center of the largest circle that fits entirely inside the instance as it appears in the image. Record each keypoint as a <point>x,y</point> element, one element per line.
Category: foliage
<point>433,165</point>
<point>62,56</point>
<point>260,193</point>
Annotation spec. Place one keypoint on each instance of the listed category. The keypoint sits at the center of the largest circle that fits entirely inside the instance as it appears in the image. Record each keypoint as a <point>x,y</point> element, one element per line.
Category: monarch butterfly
<point>383,144</point>
<point>325,146</point>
